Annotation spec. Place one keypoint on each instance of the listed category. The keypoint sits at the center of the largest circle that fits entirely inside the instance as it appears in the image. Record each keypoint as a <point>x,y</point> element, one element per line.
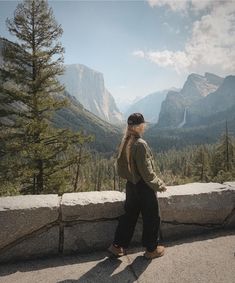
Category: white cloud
<point>182,5</point>
<point>202,4</point>
<point>211,44</point>
<point>173,4</point>
<point>178,60</point>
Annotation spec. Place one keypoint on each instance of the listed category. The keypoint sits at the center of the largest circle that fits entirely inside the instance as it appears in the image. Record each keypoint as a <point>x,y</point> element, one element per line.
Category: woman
<point>135,163</point>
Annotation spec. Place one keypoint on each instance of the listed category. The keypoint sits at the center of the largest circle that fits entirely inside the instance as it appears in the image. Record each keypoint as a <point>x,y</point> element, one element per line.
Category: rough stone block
<point>197,203</point>
<point>39,244</point>
<point>88,236</point>
<point>21,215</point>
<point>230,184</point>
<point>230,221</point>
<point>92,205</point>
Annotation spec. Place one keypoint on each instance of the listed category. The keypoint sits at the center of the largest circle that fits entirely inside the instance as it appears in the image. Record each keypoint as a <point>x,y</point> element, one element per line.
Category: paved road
<point>209,258</point>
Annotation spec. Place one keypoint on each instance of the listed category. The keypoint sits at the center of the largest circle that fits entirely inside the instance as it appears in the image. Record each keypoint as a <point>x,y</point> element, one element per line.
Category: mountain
<point>77,118</point>
<point>149,106</point>
<point>214,104</point>
<point>200,86</point>
<point>175,107</point>
<point>202,121</point>
<point>88,87</point>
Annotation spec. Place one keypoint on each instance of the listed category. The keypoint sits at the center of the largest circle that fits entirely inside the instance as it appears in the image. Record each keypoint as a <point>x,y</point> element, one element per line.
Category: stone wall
<point>39,225</point>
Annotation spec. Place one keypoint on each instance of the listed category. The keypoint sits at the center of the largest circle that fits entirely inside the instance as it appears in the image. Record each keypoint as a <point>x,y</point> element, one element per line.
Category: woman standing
<point>135,163</point>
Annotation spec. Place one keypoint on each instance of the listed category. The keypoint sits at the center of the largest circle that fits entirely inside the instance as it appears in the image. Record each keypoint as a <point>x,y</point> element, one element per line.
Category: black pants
<point>139,198</point>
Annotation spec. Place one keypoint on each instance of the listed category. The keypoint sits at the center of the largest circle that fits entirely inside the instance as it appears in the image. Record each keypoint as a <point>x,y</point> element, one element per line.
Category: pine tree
<point>34,152</point>
<point>201,166</point>
<point>224,154</point>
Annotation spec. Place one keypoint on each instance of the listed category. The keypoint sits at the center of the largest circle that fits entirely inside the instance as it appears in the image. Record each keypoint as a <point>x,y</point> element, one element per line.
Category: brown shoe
<point>159,251</point>
<point>116,251</point>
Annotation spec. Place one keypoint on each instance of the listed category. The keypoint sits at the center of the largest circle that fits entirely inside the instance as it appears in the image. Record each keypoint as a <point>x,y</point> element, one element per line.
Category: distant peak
<point>209,75</point>
<point>214,79</point>
<point>230,78</point>
<point>82,67</point>
<point>194,75</point>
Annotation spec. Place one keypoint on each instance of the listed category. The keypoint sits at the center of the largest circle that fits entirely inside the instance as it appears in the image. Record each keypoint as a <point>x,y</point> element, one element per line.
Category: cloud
<point>177,60</point>
<point>211,44</point>
<point>172,4</point>
<point>182,5</point>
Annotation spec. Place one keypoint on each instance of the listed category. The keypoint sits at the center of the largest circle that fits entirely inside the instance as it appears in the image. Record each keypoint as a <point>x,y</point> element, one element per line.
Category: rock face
<point>40,225</point>
<point>195,90</point>
<point>88,87</point>
<point>214,104</point>
<point>1,48</point>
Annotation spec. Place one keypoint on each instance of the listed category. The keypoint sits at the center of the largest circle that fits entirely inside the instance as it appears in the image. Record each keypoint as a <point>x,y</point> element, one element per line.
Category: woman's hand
<point>162,189</point>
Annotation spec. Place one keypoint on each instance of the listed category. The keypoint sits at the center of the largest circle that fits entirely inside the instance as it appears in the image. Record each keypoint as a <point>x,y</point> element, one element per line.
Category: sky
<point>144,46</point>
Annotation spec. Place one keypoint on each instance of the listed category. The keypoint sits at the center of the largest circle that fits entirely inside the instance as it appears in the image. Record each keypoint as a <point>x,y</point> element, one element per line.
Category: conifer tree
<point>224,154</point>
<point>34,152</point>
<point>201,164</point>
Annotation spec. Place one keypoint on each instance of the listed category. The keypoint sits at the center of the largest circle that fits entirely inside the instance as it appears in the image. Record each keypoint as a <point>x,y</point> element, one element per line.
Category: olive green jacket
<point>141,163</point>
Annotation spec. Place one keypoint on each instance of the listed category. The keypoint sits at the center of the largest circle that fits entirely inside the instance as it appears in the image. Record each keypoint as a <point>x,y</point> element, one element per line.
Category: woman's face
<point>141,128</point>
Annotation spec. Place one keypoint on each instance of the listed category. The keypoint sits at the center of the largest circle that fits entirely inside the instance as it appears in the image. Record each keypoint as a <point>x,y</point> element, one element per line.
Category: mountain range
<point>197,114</point>
<point>194,114</point>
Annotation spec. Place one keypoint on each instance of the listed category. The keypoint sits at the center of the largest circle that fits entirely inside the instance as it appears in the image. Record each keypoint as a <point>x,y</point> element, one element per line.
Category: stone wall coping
<point>195,189</point>
<point>52,200</point>
<point>29,202</point>
<point>91,197</point>
<point>230,184</point>
<point>70,199</point>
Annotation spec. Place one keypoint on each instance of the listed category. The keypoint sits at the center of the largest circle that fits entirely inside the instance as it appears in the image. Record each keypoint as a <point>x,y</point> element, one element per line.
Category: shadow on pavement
<point>102,272</point>
<point>48,262</point>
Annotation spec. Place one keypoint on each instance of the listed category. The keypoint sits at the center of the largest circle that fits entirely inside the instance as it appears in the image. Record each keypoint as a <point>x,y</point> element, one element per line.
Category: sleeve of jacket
<point>145,167</point>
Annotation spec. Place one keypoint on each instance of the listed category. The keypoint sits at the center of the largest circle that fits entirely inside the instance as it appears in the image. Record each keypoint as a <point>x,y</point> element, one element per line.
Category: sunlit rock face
<point>87,85</point>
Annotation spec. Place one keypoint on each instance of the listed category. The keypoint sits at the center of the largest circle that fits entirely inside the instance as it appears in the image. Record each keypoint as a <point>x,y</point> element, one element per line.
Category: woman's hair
<point>128,139</point>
